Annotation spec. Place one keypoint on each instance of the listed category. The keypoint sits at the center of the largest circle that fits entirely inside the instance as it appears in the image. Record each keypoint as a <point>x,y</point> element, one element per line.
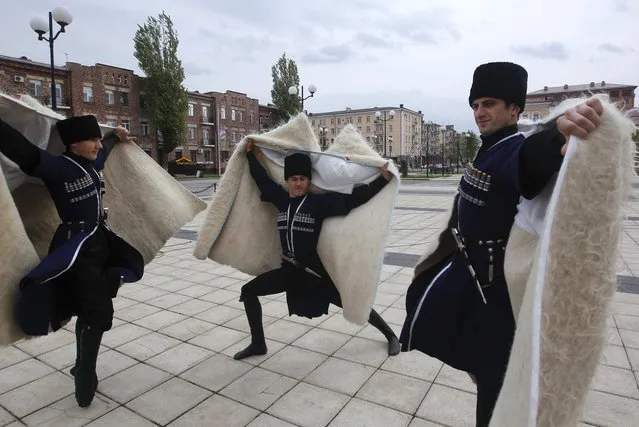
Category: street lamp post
<point>294,91</point>
<point>443,129</point>
<point>323,131</point>
<point>378,117</point>
<point>41,26</point>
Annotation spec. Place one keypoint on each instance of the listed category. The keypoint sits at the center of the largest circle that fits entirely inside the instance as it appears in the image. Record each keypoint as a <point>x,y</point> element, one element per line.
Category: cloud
<point>372,40</point>
<point>194,69</point>
<point>550,50</point>
<point>330,54</point>
<point>621,6</point>
<point>609,47</point>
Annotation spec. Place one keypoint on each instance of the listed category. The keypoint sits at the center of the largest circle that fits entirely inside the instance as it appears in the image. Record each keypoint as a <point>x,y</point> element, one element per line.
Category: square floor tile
<point>123,334</point>
<point>448,406</point>
<point>361,413</point>
<point>111,362</point>
<point>340,375</point>
<point>217,339</point>
<point>67,413</point>
<point>44,344</point>
<point>5,417</point>
<point>454,378</point>
<point>37,394</point>
<point>630,338</point>
<point>414,364</point>
<point>159,320</point>
<point>22,373</point>
<point>337,323</point>
<point>614,355</point>
<point>179,358</point>
<point>616,381</point>
<point>136,312</point>
<point>322,341</point>
<point>219,314</point>
<point>395,391</point>
<point>11,355</point>
<point>169,300</point>
<point>368,352</point>
<point>145,293</point>
<point>294,362</point>
<point>193,307</point>
<point>216,372</point>
<point>308,406</point>
<point>266,420</point>
<point>418,422</point>
<point>217,411</point>
<point>132,382</point>
<point>187,329</point>
<point>240,323</point>
<point>608,410</point>
<point>121,417</point>
<point>285,331</point>
<point>259,388</point>
<point>168,401</point>
<point>197,291</point>
<point>148,346</point>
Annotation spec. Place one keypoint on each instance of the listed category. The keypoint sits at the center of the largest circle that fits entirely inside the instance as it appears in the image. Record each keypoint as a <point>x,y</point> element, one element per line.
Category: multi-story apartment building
<point>116,96</point>
<point>396,135</point>
<point>237,116</point>
<point>540,102</point>
<point>269,117</point>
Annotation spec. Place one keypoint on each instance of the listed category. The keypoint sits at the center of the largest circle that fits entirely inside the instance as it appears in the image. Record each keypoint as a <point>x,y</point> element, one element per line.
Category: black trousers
<point>86,289</point>
<point>285,279</point>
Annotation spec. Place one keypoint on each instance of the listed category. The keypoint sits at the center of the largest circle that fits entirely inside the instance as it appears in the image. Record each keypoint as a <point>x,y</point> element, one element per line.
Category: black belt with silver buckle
<point>297,264</point>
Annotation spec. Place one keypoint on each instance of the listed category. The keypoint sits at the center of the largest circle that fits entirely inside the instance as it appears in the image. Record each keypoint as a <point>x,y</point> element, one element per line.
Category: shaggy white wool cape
<point>146,205</point>
<point>240,230</point>
<point>561,325</point>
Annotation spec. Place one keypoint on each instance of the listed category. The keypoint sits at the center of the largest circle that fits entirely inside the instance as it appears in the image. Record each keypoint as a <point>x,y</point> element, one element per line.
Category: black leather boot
<point>258,343</point>
<point>78,328</point>
<point>393,342</point>
<point>86,380</point>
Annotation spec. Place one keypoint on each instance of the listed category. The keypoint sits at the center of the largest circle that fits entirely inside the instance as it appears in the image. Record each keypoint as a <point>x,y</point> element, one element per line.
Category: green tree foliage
<point>284,73</point>
<point>156,45</point>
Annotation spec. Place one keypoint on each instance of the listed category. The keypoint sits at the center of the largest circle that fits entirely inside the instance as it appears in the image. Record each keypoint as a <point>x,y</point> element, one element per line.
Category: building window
<point>120,78</point>
<point>111,122</point>
<point>234,136</point>
<point>194,155</point>
<point>241,116</point>
<point>143,102</point>
<point>368,128</point>
<point>368,119</point>
<point>332,121</point>
<point>110,97</point>
<point>359,120</point>
<point>87,94</point>
<point>35,88</point>
<point>144,127</point>
<point>535,115</point>
<point>124,98</point>
<point>205,136</point>
<point>233,115</point>
<point>58,93</point>
<point>251,117</point>
<point>191,133</point>
<point>223,113</point>
<point>205,113</point>
<point>207,156</point>
<point>191,110</point>
<point>126,80</point>
<point>390,128</point>
<point>126,124</point>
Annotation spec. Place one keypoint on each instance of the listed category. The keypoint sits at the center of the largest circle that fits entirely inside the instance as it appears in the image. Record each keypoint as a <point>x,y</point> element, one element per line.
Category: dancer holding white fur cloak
<point>302,276</point>
<point>458,305</point>
<point>87,262</point>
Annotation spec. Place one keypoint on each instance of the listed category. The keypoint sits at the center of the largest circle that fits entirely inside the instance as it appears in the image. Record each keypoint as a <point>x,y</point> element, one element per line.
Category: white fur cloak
<point>240,230</point>
<point>146,205</point>
<point>560,269</point>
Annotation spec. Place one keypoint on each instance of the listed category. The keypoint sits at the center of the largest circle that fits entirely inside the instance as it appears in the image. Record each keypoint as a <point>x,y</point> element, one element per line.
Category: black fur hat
<point>501,80</point>
<point>297,164</point>
<point>79,128</point>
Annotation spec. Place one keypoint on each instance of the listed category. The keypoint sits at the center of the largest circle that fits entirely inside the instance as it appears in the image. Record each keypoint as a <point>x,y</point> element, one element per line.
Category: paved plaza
<point>168,359</point>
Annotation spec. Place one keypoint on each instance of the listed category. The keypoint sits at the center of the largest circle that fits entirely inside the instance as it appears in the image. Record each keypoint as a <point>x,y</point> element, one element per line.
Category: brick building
<point>268,117</point>
<point>237,116</point>
<point>199,146</point>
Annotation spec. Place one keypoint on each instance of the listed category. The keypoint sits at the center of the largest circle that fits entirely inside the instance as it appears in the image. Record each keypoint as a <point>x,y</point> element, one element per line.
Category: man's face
<point>298,185</point>
<point>87,149</point>
<point>492,114</point>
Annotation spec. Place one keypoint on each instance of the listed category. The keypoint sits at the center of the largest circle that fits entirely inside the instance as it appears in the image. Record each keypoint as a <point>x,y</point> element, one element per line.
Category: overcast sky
<point>358,53</point>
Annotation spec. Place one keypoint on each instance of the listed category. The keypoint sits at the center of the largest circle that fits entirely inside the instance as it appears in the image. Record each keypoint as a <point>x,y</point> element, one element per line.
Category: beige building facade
<point>393,136</point>
<point>541,102</point>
